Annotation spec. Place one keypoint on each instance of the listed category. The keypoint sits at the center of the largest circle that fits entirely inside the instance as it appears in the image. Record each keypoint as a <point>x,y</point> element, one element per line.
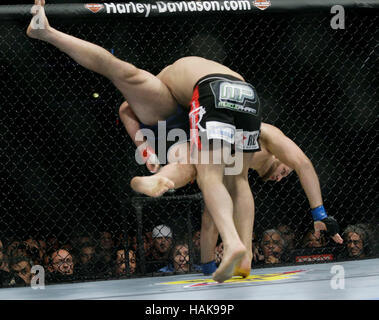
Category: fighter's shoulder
<point>268,131</point>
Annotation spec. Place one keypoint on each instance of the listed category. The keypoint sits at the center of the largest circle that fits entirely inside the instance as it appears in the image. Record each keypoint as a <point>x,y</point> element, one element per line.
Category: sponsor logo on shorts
<point>262,4</point>
<point>247,140</point>
<point>219,130</point>
<point>94,7</point>
<point>236,96</point>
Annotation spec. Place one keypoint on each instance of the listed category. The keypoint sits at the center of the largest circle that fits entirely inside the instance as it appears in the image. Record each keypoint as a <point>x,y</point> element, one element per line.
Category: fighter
<point>201,84</point>
<point>278,157</point>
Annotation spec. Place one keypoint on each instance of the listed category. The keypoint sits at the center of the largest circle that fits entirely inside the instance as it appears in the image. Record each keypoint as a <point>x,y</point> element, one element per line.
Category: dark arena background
<point>67,160</point>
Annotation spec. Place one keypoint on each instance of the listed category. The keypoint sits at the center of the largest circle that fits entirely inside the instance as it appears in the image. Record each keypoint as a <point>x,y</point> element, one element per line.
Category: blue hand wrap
<point>319,213</point>
<point>209,268</point>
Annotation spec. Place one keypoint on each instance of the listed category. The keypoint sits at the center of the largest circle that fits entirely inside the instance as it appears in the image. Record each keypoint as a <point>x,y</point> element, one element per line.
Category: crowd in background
<point>106,255</point>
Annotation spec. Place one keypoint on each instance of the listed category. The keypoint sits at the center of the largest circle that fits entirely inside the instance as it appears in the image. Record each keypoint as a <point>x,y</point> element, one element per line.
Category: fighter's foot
<point>39,25</point>
<point>243,268</point>
<point>152,186</point>
<point>229,261</point>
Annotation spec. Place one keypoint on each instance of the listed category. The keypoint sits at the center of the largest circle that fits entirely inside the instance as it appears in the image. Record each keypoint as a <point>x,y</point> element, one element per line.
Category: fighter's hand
<point>153,164</point>
<point>39,25</point>
<point>329,225</point>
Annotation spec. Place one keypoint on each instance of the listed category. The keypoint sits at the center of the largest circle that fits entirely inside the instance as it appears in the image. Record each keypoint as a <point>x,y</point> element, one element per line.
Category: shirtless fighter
<point>190,81</point>
<point>278,157</point>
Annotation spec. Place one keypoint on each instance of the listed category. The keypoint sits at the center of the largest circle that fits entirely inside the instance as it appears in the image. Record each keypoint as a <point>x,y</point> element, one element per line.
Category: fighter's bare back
<point>182,75</point>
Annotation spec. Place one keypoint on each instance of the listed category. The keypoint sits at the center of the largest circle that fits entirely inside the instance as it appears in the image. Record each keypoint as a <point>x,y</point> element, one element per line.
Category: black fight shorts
<point>226,108</point>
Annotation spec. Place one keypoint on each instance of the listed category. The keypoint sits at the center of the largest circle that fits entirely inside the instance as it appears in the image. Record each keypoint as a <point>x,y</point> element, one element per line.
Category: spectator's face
<point>312,242</point>
<point>181,258</point>
<point>162,244</point>
<point>272,245</point>
<point>106,241</point>
<point>62,262</point>
<point>23,270</point>
<point>287,234</point>
<point>86,255</point>
<point>120,262</point>
<point>354,244</point>
<point>12,247</point>
<point>34,250</point>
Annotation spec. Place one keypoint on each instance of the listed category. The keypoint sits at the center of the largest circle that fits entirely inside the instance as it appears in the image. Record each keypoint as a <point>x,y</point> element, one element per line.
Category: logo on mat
<point>262,4</point>
<point>250,279</point>
<point>94,7</point>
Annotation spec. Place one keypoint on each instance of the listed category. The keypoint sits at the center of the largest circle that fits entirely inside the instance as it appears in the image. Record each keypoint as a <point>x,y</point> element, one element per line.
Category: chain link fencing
<point>67,161</point>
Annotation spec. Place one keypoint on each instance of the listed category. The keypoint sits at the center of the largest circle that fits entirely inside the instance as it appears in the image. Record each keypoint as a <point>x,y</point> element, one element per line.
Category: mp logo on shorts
<point>262,4</point>
<point>235,95</point>
<point>94,7</point>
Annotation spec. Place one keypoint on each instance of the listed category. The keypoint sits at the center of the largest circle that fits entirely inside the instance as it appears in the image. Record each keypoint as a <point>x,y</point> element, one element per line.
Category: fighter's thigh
<point>148,96</point>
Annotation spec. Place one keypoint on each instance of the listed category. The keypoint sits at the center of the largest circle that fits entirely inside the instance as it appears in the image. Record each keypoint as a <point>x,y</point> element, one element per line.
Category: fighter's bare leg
<point>243,214</point>
<point>208,237</point>
<point>220,205</point>
<point>147,95</point>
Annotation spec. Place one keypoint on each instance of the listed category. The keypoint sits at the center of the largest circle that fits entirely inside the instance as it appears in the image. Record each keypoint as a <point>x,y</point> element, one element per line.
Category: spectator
<point>132,241</point>
<point>311,241</point>
<point>196,247</point>
<point>105,251</point>
<point>60,266</point>
<point>148,243</point>
<point>52,243</point>
<point>121,263</point>
<point>5,276</point>
<point>257,253</point>
<point>370,237</point>
<point>12,248</point>
<point>3,258</point>
<point>219,252</point>
<point>84,238</point>
<point>34,251</point>
<point>356,241</point>
<point>179,259</point>
<point>87,263</point>
<point>288,235</point>
<point>162,242</point>
<point>20,267</point>
<point>273,246</point>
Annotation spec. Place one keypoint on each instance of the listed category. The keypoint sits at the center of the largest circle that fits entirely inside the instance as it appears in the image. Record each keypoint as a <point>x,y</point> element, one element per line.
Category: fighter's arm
<point>290,154</point>
<point>132,125</point>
